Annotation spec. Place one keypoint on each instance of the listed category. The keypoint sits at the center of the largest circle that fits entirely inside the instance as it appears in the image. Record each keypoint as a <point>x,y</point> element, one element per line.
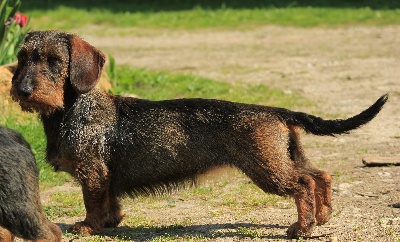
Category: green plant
<point>248,232</point>
<point>12,31</point>
<point>111,71</point>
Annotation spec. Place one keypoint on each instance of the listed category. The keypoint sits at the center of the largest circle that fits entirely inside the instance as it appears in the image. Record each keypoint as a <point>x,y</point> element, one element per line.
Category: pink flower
<point>20,19</point>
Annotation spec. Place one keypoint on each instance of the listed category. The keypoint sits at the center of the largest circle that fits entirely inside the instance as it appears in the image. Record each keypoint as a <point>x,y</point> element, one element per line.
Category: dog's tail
<point>319,126</point>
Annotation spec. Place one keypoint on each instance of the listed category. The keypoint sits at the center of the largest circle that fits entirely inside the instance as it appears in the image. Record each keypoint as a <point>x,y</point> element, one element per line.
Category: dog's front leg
<point>95,204</point>
<point>102,209</point>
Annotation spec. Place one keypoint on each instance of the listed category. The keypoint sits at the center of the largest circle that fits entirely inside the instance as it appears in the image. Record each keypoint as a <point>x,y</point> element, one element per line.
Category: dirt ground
<point>342,71</point>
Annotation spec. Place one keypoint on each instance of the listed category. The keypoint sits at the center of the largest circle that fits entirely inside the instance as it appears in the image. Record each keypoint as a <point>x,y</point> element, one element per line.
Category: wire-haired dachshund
<point>115,146</point>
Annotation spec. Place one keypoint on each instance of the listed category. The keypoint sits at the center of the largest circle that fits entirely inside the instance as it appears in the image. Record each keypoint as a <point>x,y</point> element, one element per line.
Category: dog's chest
<point>88,127</point>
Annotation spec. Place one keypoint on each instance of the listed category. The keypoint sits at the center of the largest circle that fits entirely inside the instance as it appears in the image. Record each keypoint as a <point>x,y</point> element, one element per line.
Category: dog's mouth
<point>34,104</point>
<point>37,100</point>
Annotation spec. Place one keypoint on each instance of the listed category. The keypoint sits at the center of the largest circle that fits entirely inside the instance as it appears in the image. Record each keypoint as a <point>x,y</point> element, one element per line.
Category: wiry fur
<point>116,146</point>
<point>21,214</point>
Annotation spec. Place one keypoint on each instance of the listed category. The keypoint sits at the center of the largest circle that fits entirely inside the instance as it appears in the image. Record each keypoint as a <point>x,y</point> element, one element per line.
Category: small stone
<point>345,185</point>
<point>333,239</point>
<point>384,174</point>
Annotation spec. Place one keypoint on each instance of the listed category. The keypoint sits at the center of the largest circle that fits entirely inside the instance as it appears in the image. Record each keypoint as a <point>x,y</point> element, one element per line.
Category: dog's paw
<point>296,231</point>
<point>113,221</point>
<point>323,216</point>
<point>82,228</point>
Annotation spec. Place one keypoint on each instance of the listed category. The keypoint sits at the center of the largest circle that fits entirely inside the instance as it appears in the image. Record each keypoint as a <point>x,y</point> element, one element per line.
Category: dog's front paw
<point>114,220</point>
<point>296,231</point>
<point>82,228</point>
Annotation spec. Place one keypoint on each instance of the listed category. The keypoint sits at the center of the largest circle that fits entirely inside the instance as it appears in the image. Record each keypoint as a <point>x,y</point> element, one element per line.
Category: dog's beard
<point>42,101</point>
<point>37,105</point>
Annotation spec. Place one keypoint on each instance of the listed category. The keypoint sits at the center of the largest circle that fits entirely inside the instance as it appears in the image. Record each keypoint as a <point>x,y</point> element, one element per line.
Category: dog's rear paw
<point>82,228</point>
<point>323,216</point>
<point>296,231</point>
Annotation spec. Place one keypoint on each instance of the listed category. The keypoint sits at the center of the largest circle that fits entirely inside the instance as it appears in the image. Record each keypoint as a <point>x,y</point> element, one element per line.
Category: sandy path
<point>342,70</point>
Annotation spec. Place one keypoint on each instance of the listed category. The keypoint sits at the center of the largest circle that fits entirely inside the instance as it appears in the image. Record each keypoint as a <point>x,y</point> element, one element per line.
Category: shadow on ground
<point>226,230</point>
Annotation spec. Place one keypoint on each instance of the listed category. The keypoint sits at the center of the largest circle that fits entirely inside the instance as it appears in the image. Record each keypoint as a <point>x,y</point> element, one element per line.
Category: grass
<point>107,15</point>
<point>65,204</point>
<point>163,85</point>
<point>249,232</point>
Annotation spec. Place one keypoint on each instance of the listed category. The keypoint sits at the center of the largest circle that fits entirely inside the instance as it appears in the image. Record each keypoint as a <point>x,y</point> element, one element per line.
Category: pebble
<point>344,186</point>
<point>333,239</point>
<point>386,174</point>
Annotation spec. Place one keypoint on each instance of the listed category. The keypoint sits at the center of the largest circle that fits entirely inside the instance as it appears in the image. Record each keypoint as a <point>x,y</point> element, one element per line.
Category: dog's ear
<point>86,64</point>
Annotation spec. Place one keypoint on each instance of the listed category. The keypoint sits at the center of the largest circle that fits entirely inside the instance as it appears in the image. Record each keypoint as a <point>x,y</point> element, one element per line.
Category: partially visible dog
<point>21,213</point>
<point>116,146</point>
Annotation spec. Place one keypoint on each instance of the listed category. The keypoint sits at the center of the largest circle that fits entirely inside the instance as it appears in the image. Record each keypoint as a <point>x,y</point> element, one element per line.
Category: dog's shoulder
<point>91,106</point>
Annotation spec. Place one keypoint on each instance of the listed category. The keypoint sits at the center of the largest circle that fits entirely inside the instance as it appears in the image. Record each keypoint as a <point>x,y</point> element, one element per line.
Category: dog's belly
<point>161,164</point>
<point>157,144</point>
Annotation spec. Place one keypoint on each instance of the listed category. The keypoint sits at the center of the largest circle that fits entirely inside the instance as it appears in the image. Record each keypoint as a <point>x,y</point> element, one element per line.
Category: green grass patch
<point>248,195</point>
<point>249,232</point>
<point>168,237</point>
<point>163,85</point>
<point>65,204</point>
<point>94,238</point>
<point>72,15</point>
<point>138,221</point>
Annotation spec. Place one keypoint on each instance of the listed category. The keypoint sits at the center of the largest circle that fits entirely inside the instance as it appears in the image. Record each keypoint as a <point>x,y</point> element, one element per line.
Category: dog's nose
<point>25,89</point>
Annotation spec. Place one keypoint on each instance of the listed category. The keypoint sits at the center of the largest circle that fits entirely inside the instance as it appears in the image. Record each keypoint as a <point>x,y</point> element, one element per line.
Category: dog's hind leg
<point>304,197</point>
<point>323,195</point>
<point>292,182</point>
<point>323,181</point>
<point>272,167</point>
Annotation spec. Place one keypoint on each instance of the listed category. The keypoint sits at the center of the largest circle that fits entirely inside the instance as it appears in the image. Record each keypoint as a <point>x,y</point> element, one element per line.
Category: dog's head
<point>49,62</point>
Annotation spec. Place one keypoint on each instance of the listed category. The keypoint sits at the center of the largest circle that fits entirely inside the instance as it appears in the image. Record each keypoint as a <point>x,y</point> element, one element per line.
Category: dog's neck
<point>52,127</point>
<point>53,120</point>
<point>52,123</point>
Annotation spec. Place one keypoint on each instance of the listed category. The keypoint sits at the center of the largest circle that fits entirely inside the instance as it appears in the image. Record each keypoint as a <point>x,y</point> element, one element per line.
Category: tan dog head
<point>50,62</point>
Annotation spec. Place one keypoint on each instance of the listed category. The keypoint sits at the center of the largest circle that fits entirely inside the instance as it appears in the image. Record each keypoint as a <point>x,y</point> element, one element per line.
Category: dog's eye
<point>21,58</point>
<point>52,60</point>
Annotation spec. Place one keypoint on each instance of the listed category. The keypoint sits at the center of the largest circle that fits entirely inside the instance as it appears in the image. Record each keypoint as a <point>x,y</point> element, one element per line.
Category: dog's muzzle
<point>25,88</point>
